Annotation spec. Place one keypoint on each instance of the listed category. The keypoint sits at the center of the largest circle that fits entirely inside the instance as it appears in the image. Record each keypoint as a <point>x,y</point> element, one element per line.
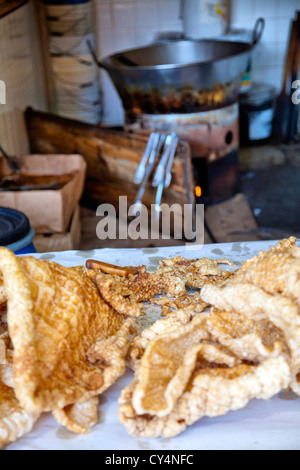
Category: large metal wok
<point>182,76</point>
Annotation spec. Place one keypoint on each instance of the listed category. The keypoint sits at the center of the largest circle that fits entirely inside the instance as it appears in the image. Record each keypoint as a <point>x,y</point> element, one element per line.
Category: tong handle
<point>140,173</point>
<point>160,172</point>
<point>148,170</point>
<point>168,176</point>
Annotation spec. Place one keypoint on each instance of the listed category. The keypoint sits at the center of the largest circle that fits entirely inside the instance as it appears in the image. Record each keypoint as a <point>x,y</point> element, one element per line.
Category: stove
<point>213,136</point>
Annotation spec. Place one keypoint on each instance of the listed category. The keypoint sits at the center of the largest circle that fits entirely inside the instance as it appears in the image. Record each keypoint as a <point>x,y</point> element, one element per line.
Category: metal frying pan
<point>198,74</point>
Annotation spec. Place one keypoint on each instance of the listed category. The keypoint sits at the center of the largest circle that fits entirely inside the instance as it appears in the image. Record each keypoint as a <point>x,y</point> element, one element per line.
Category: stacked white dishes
<point>75,74</point>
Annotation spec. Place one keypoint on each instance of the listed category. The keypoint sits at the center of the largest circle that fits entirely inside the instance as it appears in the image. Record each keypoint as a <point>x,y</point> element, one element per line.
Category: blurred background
<point>66,93</point>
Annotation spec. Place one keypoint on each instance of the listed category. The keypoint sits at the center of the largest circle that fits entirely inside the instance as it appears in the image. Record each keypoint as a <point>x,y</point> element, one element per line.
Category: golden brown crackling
<point>2,293</point>
<point>191,301</point>
<point>211,364</point>
<point>194,273</point>
<point>15,422</point>
<point>111,269</point>
<point>163,326</point>
<point>277,271</point>
<point>215,338</point>
<point>213,392</point>
<point>226,326</point>
<point>163,372</point>
<point>266,288</point>
<point>79,418</point>
<point>253,302</point>
<point>54,315</point>
<point>112,293</point>
<point>146,285</point>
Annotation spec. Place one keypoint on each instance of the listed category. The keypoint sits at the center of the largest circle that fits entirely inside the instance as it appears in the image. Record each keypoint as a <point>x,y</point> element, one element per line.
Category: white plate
<point>68,12</point>
<point>70,45</point>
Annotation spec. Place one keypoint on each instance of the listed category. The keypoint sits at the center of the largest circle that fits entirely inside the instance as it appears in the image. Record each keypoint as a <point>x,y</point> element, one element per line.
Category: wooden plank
<point>232,221</point>
<point>112,156</point>
<point>8,7</point>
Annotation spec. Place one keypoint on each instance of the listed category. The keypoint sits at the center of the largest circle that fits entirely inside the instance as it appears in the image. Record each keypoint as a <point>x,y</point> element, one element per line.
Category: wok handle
<point>258,31</point>
<point>120,57</point>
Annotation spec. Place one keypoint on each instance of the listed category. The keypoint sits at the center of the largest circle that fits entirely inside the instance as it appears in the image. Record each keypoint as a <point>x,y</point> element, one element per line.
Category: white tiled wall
<point>270,54</point>
<point>122,24</point>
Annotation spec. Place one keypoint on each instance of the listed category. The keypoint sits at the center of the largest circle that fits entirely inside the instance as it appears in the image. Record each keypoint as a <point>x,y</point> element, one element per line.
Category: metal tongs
<point>140,173</point>
<point>163,176</point>
<point>147,165</point>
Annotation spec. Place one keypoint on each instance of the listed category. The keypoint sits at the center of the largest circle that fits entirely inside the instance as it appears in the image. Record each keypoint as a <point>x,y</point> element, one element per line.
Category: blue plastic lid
<point>14,226</point>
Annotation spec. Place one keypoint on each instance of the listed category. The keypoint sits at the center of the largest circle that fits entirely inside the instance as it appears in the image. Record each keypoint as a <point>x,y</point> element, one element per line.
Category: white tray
<point>272,425</point>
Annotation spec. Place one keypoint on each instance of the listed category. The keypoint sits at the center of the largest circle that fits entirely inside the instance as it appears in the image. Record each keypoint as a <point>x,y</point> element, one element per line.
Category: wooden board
<point>232,221</point>
<point>9,7</point>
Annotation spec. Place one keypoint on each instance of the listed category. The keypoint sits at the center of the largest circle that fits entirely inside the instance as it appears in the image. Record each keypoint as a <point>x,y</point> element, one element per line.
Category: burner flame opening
<point>198,191</point>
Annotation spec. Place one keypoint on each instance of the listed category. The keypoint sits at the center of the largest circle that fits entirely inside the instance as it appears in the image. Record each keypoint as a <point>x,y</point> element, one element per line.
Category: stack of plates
<point>69,20</point>
<point>76,76</point>
<point>70,45</point>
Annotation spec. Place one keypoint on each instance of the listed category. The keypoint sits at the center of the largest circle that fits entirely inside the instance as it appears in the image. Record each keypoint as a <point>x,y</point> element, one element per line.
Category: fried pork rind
<point>146,285</point>
<point>127,293</point>
<point>4,339</point>
<point>112,292</point>
<point>15,422</point>
<point>6,361</point>
<point>79,418</point>
<point>276,271</point>
<point>109,356</point>
<point>161,327</point>
<point>213,392</point>
<point>192,302</point>
<point>2,293</point>
<point>188,374</point>
<point>195,273</point>
<point>55,315</point>
<point>178,305</point>
<point>170,279</point>
<point>163,372</point>
<point>267,288</point>
<point>6,353</point>
<point>251,340</point>
<point>2,296</point>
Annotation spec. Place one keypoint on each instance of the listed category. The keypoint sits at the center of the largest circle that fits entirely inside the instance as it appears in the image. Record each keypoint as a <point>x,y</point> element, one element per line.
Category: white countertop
<point>272,425</point>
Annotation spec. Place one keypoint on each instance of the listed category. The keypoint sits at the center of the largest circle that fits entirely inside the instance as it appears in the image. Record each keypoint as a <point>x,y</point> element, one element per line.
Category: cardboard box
<point>56,242</point>
<point>49,211</point>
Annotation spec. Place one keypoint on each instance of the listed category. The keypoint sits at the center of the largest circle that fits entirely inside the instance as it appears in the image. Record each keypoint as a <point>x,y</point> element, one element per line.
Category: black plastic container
<point>257,108</point>
<point>15,231</point>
